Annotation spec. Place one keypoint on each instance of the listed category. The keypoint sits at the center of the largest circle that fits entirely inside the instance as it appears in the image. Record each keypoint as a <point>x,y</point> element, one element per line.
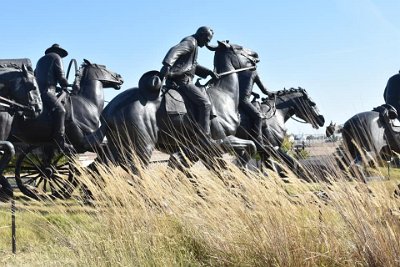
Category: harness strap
<point>4,107</point>
<point>10,103</point>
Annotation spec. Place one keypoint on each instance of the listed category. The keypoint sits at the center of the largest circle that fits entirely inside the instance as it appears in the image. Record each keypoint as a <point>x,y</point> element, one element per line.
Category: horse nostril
<point>321,120</point>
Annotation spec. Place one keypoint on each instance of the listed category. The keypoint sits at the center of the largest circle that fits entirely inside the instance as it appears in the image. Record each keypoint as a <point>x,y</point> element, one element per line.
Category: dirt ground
<point>322,149</point>
<point>315,150</point>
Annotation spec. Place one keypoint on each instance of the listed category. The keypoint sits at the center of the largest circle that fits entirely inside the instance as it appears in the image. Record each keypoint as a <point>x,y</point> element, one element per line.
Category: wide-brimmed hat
<point>56,48</point>
<point>151,81</point>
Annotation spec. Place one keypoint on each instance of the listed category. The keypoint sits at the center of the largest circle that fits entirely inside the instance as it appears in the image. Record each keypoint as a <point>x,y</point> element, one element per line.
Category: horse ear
<point>224,43</point>
<point>25,70</point>
<point>87,61</point>
<point>212,47</point>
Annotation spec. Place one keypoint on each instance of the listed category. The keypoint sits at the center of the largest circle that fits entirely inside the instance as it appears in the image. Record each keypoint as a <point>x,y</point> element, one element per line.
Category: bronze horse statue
<point>82,119</point>
<point>19,99</point>
<point>333,129</point>
<point>83,109</point>
<point>277,110</point>
<point>371,137</point>
<point>139,120</point>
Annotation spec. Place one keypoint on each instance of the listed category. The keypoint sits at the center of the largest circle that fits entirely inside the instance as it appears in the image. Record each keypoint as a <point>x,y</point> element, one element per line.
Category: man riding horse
<point>247,79</point>
<point>49,72</point>
<point>392,92</point>
<point>179,67</point>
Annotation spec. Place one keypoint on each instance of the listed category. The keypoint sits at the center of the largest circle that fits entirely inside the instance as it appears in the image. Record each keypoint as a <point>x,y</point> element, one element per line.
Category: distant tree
<point>310,137</point>
<point>287,144</point>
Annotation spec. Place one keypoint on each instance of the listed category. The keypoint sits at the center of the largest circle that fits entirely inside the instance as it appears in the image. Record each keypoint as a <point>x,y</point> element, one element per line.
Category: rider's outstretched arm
<point>260,85</point>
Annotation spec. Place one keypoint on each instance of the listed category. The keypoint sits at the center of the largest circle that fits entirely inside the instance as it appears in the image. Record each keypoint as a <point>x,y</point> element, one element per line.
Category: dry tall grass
<point>231,219</point>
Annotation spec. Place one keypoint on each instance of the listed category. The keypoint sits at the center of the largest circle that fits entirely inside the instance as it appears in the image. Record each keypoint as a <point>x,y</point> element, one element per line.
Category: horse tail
<point>348,139</point>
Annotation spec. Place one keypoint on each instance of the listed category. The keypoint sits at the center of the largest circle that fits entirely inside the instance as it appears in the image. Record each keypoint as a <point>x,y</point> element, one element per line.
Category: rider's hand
<point>214,75</point>
<point>75,89</point>
<point>164,72</point>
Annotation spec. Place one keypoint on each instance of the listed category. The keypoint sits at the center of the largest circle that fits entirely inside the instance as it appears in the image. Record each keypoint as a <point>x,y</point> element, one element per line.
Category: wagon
<point>44,172</point>
<point>41,171</point>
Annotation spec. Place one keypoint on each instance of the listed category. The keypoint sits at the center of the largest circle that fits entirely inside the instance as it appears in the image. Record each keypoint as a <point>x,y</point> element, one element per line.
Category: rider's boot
<point>59,134</point>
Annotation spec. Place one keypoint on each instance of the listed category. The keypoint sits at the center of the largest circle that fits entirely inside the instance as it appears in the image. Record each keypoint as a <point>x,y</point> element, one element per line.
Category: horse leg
<point>6,191</point>
<point>243,158</point>
<point>182,163</point>
<point>356,168</point>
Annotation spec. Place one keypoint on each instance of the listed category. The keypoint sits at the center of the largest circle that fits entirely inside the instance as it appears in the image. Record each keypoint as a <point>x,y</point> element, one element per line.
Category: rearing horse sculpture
<point>19,97</point>
<point>138,119</point>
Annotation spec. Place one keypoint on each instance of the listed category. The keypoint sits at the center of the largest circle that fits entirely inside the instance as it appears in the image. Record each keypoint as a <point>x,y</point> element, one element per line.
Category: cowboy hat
<point>56,48</point>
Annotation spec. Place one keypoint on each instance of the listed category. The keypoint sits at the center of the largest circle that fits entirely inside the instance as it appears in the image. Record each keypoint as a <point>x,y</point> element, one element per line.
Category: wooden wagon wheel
<point>42,172</point>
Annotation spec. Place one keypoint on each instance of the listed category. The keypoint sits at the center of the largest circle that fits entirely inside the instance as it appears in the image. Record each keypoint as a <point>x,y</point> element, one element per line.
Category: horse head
<point>19,85</point>
<point>301,105</point>
<point>94,72</point>
<point>232,56</point>
<point>330,129</point>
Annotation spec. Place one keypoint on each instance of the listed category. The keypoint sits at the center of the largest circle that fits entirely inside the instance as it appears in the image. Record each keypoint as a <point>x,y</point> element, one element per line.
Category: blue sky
<point>341,51</point>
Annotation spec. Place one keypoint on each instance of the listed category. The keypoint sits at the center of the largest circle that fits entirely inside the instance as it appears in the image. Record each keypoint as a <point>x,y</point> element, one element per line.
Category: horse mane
<point>16,64</point>
<point>289,91</point>
<point>283,92</point>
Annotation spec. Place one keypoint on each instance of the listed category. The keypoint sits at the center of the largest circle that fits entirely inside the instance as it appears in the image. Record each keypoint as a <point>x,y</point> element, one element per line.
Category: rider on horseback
<point>246,83</point>
<point>180,66</point>
<point>49,72</point>
<point>392,92</point>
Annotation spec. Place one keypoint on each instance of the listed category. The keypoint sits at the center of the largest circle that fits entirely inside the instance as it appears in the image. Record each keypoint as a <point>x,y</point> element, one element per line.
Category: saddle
<point>65,98</point>
<point>176,103</point>
<point>389,118</point>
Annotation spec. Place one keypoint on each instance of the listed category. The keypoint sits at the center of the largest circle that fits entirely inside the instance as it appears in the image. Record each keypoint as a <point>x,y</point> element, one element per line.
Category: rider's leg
<point>256,118</point>
<point>200,99</point>
<point>58,111</point>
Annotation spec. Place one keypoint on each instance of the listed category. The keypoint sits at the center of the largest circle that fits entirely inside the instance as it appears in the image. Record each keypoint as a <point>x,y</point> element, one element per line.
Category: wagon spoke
<point>45,174</point>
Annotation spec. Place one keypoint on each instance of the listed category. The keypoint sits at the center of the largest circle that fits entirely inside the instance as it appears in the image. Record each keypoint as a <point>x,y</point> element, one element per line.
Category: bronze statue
<point>179,67</point>
<point>247,79</point>
<point>19,98</point>
<point>391,94</point>
<point>49,72</point>
<point>276,110</point>
<point>145,118</point>
<point>83,111</point>
<point>372,136</point>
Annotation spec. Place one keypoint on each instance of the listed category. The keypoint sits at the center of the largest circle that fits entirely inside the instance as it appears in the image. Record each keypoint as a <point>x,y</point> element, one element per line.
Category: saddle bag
<point>175,103</point>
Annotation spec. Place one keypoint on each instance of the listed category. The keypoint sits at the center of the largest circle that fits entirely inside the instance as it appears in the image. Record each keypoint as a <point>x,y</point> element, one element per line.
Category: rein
<point>230,72</point>
<point>7,103</point>
<point>236,70</point>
